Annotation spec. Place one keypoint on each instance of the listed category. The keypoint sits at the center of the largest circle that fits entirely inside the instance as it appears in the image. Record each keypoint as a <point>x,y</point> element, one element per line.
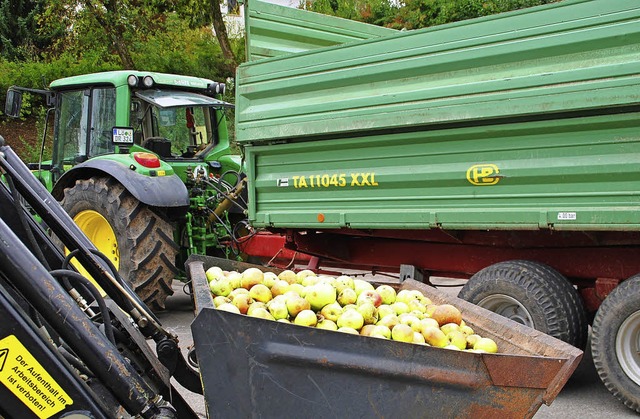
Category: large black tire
<point>145,251</point>
<point>614,342</point>
<point>532,294</point>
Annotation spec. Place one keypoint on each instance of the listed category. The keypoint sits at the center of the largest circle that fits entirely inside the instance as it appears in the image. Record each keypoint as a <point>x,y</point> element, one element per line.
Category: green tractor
<point>142,163</point>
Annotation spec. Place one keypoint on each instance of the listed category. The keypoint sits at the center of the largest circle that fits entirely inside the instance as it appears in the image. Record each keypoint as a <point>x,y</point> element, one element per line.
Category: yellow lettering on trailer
<point>29,381</point>
<point>328,180</point>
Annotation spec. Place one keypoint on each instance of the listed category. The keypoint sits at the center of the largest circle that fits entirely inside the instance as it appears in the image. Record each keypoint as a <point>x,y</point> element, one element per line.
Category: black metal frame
<point>126,370</point>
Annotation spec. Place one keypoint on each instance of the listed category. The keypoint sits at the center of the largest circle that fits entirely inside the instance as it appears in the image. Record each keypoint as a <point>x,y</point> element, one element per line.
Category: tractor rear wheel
<point>138,241</point>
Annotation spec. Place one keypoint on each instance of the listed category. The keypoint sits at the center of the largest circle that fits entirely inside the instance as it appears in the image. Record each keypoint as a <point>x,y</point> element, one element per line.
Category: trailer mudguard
<point>155,191</point>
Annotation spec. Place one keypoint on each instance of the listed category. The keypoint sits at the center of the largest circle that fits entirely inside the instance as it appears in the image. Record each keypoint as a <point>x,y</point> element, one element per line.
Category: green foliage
<point>21,37</point>
<point>185,50</point>
<point>415,14</point>
<point>376,12</point>
<point>105,26</point>
<point>38,74</point>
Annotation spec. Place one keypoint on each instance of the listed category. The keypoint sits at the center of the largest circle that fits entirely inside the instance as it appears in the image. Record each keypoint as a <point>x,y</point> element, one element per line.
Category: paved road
<point>583,397</point>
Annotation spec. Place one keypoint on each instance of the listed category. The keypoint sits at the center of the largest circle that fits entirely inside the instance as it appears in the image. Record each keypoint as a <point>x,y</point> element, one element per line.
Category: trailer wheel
<point>138,241</point>
<point>615,342</point>
<point>532,294</point>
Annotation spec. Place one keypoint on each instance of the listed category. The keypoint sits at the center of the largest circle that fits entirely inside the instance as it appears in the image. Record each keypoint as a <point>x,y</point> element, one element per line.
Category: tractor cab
<point>180,119</point>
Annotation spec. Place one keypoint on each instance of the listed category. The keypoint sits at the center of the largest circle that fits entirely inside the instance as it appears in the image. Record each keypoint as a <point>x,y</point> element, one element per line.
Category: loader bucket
<point>258,368</point>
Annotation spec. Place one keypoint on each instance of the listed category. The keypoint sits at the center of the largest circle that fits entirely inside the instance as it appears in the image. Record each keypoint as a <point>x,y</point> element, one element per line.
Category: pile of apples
<point>344,304</point>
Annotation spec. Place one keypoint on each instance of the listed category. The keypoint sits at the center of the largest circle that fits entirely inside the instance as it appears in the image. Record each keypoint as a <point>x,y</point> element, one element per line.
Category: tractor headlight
<point>132,80</point>
<point>148,82</point>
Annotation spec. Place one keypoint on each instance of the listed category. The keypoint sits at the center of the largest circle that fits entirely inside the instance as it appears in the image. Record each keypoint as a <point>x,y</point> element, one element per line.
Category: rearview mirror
<point>14,103</point>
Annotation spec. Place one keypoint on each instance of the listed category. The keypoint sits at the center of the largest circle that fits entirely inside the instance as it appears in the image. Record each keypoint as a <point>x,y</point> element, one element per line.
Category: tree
<point>209,12</point>
<point>106,26</point>
<point>221,33</point>
<point>21,38</point>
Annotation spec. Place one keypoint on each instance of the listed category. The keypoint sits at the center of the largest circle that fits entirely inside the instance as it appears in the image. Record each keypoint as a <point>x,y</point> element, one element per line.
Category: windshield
<point>84,123</point>
<point>175,123</point>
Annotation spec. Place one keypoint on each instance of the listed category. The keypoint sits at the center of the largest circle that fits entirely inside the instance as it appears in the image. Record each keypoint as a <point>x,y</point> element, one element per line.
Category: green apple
<point>280,287</point>
<point>221,287</point>
<point>457,338</point>
<point>235,278</point>
<point>416,305</point>
<point>472,339</point>
<point>435,337</point>
<point>450,327</point>
<point>331,311</point>
<point>228,307</point>
<point>369,296</point>
<point>418,314</point>
<point>383,330</point>
<point>299,288</point>
<point>404,296</point>
<point>306,318</point>
<point>310,280</point>
<point>429,322</point>
<point>411,321</point>
<point>296,304</point>
<point>400,307</point>
<point>387,293</point>
<point>369,312</point>
<point>251,277</point>
<point>213,273</point>
<point>289,276</point>
<point>301,275</point>
<point>326,279</point>
<point>278,309</point>
<point>351,318</point>
<point>261,313</point>
<point>327,324</point>
<point>269,278</point>
<point>260,292</point>
<point>255,305</point>
<point>242,301</point>
<point>347,296</point>
<point>319,295</point>
<point>466,330</point>
<point>237,291</point>
<point>385,310</point>
<point>360,285</point>
<point>486,344</point>
<point>446,313</point>
<point>367,329</point>
<point>220,299</point>
<point>389,320</point>
<point>402,333</point>
<point>350,330</point>
<point>343,282</point>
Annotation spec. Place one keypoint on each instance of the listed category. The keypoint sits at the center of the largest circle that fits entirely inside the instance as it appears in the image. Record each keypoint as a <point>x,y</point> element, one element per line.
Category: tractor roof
<point>119,78</point>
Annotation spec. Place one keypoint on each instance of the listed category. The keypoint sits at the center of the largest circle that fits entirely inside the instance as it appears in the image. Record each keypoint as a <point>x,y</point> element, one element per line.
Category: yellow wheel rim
<point>99,231</point>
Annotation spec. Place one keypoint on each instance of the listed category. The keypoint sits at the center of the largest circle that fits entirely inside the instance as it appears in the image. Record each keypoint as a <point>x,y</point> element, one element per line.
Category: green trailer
<point>503,150</point>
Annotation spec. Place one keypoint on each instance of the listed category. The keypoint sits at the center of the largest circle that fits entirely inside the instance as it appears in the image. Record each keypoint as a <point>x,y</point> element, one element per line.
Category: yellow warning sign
<point>23,375</point>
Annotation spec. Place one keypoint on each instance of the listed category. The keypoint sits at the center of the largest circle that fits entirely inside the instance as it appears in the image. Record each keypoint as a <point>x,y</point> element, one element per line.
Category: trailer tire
<point>532,294</point>
<point>614,337</point>
<point>129,233</point>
